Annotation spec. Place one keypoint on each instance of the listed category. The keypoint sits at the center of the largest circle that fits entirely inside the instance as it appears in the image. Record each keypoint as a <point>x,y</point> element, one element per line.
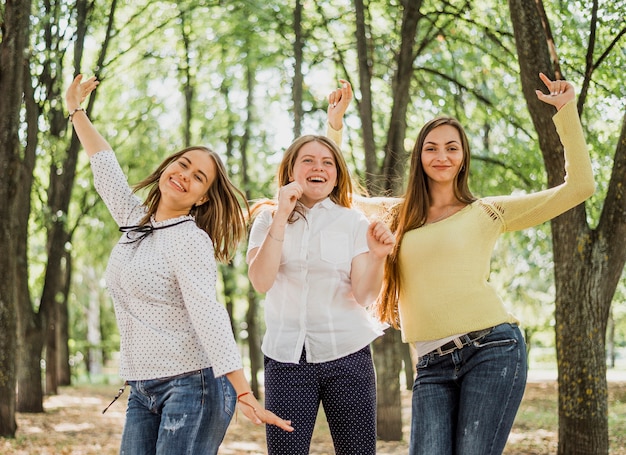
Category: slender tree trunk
<point>15,32</point>
<point>64,374</point>
<point>298,78</point>
<point>95,359</point>
<point>395,155</point>
<point>388,357</point>
<point>372,171</point>
<point>388,350</point>
<point>254,340</point>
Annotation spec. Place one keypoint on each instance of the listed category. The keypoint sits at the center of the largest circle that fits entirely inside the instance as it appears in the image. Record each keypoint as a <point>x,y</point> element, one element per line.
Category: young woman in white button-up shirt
<point>321,264</point>
<point>178,352</point>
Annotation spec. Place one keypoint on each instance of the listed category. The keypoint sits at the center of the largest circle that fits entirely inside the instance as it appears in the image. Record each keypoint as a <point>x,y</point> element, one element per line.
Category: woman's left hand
<point>338,102</point>
<point>380,239</point>
<point>254,411</point>
<point>561,92</point>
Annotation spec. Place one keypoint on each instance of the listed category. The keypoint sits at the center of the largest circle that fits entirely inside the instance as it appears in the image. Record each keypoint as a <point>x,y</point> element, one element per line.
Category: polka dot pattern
<point>346,388</point>
<point>163,289</point>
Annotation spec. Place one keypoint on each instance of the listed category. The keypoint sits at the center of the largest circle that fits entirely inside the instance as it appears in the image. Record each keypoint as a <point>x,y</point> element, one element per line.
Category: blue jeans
<point>183,414</point>
<point>464,402</point>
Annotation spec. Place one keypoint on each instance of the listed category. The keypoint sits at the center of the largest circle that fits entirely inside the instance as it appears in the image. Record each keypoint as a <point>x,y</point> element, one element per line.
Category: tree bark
<point>587,263</point>
<point>388,357</point>
<point>372,171</point>
<point>388,350</point>
<point>16,29</point>
<point>395,155</point>
<point>298,78</point>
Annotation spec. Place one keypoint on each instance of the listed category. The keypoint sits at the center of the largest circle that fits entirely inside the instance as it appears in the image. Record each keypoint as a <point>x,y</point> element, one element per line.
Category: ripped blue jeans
<point>465,401</point>
<point>183,414</point>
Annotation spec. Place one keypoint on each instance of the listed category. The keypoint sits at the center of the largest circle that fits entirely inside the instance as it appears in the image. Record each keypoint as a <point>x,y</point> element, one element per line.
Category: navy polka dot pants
<point>346,388</point>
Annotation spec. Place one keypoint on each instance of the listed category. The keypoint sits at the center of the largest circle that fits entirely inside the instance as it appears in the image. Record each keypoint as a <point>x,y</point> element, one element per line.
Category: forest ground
<point>73,424</point>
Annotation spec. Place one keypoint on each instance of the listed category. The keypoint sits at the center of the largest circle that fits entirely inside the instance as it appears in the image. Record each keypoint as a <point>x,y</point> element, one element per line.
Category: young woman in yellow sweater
<point>471,371</point>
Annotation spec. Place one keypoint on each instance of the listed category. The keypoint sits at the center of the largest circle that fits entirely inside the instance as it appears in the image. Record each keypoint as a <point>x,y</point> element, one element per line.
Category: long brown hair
<point>221,215</point>
<point>412,213</point>
<point>341,193</point>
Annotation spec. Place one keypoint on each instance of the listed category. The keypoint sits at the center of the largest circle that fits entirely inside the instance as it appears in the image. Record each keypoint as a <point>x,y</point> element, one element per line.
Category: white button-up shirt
<point>311,304</point>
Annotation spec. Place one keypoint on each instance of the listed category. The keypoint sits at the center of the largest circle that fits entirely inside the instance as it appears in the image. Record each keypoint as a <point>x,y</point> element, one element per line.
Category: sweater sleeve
<point>335,135</point>
<point>112,186</point>
<point>519,212</point>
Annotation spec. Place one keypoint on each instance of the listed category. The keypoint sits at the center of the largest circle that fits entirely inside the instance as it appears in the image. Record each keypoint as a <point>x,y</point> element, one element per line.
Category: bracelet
<point>78,109</point>
<point>243,402</point>
<point>249,392</point>
<point>274,238</point>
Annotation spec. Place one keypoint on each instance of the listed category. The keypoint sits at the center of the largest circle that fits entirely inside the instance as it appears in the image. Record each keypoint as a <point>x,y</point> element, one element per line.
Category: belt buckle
<point>458,344</point>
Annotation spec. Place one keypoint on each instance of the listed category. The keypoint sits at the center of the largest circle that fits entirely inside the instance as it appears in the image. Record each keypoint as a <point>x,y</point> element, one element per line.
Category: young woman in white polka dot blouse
<point>178,352</point>
<point>321,264</point>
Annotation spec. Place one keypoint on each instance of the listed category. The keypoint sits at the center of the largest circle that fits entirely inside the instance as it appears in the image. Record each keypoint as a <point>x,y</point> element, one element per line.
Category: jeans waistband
<point>463,340</point>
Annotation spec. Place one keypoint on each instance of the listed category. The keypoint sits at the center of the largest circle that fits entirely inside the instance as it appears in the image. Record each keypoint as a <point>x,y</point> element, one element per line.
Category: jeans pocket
<point>502,335</point>
<point>229,394</point>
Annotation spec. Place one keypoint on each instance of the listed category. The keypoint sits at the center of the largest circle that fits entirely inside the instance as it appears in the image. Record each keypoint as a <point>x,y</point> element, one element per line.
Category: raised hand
<point>561,92</point>
<point>338,102</point>
<point>78,91</point>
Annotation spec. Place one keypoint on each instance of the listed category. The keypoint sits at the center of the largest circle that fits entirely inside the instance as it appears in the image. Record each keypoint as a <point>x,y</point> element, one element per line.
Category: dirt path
<point>73,424</point>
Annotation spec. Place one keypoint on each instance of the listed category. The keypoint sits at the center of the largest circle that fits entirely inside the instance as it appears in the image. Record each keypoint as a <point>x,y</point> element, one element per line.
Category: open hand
<point>78,91</point>
<point>253,410</point>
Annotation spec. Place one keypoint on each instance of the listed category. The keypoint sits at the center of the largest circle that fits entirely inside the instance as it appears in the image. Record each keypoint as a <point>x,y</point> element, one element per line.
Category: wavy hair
<point>412,213</point>
<point>341,193</point>
<point>221,215</point>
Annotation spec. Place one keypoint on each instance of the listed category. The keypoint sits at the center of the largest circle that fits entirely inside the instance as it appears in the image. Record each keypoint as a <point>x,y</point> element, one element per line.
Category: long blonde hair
<point>341,193</point>
<point>221,215</point>
<point>412,213</point>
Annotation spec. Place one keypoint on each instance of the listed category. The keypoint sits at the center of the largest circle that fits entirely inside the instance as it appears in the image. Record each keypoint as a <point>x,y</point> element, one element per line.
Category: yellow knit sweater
<point>445,266</point>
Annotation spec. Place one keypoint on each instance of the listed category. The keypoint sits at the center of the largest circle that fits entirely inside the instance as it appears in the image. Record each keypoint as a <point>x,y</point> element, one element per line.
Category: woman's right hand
<point>78,91</point>
<point>288,196</point>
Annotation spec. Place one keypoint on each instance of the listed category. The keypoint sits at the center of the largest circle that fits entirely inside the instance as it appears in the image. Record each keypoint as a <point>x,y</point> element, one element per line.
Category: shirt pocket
<point>334,247</point>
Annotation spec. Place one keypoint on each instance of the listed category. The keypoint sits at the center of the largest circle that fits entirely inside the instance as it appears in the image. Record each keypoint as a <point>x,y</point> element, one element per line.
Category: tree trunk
<point>64,374</point>
<point>388,363</point>
<point>31,398</point>
<point>372,171</point>
<point>388,352</point>
<point>298,78</point>
<point>254,340</point>
<point>95,359</point>
<point>588,264</point>
<point>395,155</point>
<point>15,32</point>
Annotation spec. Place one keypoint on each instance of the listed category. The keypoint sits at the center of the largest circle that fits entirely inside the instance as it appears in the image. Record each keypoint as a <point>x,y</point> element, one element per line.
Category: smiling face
<point>184,183</point>
<point>442,154</point>
<point>315,170</point>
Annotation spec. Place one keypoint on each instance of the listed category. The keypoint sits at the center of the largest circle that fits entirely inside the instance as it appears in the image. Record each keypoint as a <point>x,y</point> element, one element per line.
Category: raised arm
<point>89,137</point>
<point>264,261</point>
